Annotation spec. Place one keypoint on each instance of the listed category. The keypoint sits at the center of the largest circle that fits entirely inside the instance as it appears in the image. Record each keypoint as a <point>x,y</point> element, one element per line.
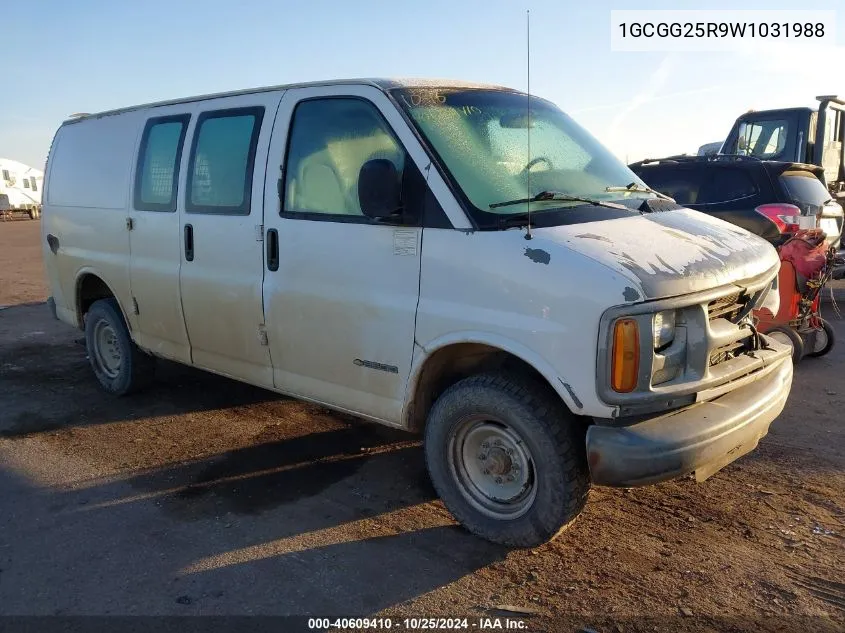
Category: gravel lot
<point>206,496</point>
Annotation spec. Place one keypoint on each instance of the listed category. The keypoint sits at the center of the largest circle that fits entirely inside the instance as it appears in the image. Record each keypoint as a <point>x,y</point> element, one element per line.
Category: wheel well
<point>89,289</point>
<point>452,363</point>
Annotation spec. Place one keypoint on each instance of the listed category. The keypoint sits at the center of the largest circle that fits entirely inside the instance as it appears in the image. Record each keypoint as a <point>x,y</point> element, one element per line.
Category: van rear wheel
<point>119,365</point>
<point>507,459</point>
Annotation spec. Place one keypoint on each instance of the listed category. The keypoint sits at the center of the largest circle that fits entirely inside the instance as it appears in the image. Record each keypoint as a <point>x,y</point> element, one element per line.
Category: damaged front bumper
<point>702,438</point>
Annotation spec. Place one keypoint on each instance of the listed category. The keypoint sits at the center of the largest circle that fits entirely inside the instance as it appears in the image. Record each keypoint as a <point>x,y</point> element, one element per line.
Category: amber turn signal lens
<point>626,356</point>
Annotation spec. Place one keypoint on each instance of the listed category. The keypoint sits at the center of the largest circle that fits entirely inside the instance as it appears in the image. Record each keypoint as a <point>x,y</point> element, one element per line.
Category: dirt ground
<point>206,496</point>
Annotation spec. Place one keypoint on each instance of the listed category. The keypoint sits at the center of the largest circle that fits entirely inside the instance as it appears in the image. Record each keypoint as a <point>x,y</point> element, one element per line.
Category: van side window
<point>6,176</point>
<point>222,161</point>
<point>157,172</point>
<point>26,183</point>
<point>330,140</point>
<point>34,185</point>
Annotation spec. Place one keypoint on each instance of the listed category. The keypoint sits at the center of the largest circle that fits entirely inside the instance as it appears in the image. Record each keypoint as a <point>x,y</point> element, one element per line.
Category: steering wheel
<point>535,161</point>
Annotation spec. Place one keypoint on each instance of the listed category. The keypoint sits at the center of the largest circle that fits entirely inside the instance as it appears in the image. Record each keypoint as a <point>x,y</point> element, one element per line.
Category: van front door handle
<point>189,243</point>
<point>272,241</point>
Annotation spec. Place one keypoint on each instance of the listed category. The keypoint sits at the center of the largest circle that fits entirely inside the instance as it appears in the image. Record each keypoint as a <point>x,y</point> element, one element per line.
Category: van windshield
<point>481,136</point>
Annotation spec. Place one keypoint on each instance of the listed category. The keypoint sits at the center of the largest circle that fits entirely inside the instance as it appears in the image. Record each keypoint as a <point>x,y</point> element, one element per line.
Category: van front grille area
<point>727,352</point>
<point>729,307</point>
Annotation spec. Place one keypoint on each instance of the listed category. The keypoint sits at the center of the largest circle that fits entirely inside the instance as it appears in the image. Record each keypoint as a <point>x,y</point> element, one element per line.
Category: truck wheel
<point>825,340</point>
<point>32,214</point>
<point>788,336</point>
<point>119,365</point>
<point>507,459</point>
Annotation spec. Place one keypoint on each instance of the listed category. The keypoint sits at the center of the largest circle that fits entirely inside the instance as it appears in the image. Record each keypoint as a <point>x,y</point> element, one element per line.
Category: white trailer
<point>20,188</point>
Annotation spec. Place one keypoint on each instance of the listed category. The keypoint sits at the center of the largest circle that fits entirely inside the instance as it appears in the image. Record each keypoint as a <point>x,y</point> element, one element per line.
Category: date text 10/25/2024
<point>418,624</point>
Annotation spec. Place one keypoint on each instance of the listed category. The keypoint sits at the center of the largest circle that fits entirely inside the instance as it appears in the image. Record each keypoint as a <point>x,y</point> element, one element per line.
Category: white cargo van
<point>367,245</point>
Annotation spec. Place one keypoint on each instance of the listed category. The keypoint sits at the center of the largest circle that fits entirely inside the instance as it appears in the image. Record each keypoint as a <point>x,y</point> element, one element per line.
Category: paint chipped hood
<point>671,253</point>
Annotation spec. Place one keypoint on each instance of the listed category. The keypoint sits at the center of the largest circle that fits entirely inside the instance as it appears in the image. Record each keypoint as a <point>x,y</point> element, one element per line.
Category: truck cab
<point>798,135</point>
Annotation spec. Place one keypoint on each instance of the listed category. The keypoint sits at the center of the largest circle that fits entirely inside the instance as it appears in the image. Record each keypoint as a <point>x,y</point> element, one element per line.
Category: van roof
<point>384,84</point>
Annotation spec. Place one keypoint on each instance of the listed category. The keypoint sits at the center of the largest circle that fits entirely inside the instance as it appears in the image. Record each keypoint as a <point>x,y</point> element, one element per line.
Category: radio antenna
<point>528,235</point>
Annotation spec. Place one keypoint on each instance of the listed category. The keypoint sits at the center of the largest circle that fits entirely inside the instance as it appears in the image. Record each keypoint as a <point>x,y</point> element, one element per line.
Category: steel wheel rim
<point>820,341</point>
<point>107,353</point>
<point>493,467</point>
<point>780,337</point>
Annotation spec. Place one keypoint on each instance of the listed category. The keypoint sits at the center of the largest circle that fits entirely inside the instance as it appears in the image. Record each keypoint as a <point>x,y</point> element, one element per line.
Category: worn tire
<point>135,369</point>
<point>551,434</point>
<point>794,339</point>
<point>831,341</point>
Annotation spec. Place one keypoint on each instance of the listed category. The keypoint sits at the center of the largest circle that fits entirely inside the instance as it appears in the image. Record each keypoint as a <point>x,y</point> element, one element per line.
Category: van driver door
<point>340,289</point>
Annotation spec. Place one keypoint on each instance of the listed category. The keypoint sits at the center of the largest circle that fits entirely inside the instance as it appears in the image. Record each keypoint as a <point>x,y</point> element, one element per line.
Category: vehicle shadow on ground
<point>254,479</point>
<point>342,521</point>
<point>47,382</point>
<point>361,577</point>
<point>340,512</point>
<point>28,304</point>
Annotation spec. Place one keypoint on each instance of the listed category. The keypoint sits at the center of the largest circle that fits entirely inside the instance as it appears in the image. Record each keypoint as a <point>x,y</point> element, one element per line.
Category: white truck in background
<point>20,188</point>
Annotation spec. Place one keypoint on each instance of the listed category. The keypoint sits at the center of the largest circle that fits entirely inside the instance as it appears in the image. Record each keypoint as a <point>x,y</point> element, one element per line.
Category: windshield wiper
<point>635,187</point>
<point>558,196</point>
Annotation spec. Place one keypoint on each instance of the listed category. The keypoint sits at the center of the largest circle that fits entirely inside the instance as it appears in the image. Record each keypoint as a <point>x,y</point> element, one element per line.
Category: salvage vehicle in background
<point>772,199</point>
<point>391,250</point>
<point>815,136</point>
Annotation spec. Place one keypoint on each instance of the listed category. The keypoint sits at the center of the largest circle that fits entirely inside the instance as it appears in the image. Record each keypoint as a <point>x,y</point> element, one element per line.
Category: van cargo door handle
<point>189,243</point>
<point>272,242</point>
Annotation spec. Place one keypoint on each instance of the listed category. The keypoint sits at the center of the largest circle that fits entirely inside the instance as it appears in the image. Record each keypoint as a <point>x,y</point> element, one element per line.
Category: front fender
<point>558,382</point>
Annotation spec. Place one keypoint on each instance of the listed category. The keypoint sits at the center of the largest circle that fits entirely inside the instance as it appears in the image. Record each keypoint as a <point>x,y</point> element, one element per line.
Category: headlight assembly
<point>663,329</point>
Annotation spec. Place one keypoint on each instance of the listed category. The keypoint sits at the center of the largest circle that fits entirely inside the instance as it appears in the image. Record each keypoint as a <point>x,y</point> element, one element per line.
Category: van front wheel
<point>507,459</point>
<point>117,362</point>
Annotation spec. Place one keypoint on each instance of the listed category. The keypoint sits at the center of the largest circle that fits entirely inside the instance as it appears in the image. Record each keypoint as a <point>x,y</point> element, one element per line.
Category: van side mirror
<point>378,189</point>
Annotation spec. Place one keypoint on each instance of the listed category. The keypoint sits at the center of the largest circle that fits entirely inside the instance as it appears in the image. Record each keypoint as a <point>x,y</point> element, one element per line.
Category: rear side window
<point>34,184</point>
<point>26,183</point>
<point>804,189</point>
<point>6,175</point>
<point>681,183</point>
<point>727,185</point>
<point>157,173</point>
<point>222,161</point>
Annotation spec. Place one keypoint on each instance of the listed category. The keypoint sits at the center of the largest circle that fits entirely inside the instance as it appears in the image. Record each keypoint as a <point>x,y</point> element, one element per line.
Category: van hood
<point>670,253</point>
